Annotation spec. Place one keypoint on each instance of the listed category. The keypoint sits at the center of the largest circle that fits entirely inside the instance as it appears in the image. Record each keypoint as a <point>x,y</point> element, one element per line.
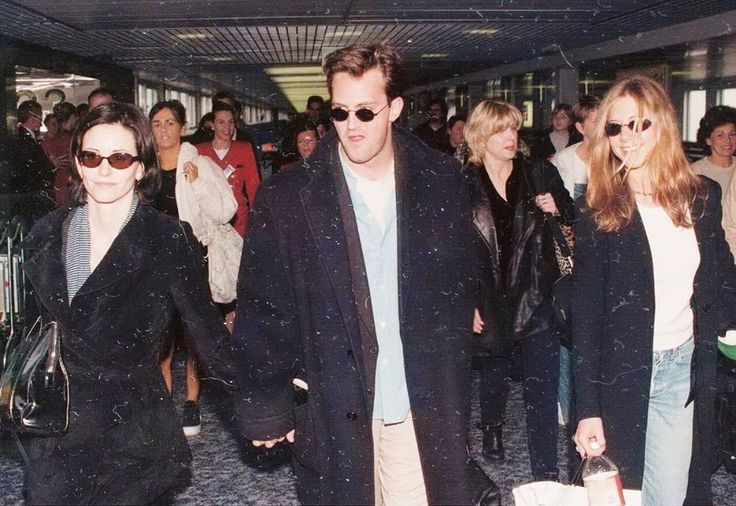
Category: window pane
<point>727,97</point>
<point>694,109</point>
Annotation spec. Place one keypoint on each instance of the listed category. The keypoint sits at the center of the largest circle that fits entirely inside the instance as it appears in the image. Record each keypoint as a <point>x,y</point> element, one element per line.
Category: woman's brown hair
<point>674,185</point>
<point>133,119</point>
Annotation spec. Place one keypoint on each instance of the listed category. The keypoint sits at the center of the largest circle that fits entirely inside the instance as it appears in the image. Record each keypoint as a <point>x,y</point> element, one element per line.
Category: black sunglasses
<point>614,129</point>
<point>363,114</point>
<point>119,161</point>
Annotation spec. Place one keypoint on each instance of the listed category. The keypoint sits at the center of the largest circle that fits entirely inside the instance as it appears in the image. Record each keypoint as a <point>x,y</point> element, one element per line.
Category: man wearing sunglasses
<point>30,191</point>
<point>357,302</point>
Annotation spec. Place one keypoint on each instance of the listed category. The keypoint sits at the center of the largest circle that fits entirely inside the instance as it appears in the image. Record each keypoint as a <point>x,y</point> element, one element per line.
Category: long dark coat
<point>613,325</point>
<point>518,305</point>
<point>124,444</point>
<point>304,310</point>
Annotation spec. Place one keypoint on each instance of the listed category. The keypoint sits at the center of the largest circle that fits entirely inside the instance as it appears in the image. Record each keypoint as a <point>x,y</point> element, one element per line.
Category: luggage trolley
<point>12,287</point>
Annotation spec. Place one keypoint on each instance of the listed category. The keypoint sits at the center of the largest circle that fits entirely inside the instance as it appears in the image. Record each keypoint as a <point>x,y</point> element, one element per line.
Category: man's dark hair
<point>222,106</point>
<point>443,105</point>
<point>586,104</point>
<point>176,108</point>
<point>28,109</point>
<point>210,116</point>
<point>100,92</point>
<point>223,95</point>
<point>49,117</point>
<point>82,109</point>
<point>315,98</point>
<point>563,107</point>
<point>64,111</point>
<point>714,117</point>
<point>132,118</point>
<point>454,119</point>
<point>358,59</point>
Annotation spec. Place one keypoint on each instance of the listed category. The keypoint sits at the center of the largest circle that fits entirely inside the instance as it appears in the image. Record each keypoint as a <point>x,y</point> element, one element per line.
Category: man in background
<point>27,181</point>
<point>100,96</point>
<point>434,130</point>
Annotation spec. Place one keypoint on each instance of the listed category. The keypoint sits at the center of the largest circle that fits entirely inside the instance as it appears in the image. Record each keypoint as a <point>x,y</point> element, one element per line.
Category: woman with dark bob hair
<point>653,286</point>
<point>110,270</point>
<point>717,137</point>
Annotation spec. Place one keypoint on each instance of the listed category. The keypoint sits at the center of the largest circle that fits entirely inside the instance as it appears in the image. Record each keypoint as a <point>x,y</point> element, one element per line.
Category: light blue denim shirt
<point>379,244</point>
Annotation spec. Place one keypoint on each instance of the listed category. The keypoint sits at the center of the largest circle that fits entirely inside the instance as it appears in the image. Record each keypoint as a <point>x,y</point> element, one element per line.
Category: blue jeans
<point>565,390</point>
<point>669,436</point>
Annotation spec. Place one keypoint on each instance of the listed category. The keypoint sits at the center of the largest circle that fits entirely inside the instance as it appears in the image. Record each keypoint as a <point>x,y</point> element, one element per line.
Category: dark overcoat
<point>304,310</point>
<point>613,328</point>
<point>124,444</point>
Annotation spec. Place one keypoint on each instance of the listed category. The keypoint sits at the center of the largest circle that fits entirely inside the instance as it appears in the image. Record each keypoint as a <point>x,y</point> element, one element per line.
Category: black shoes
<point>492,442</point>
<point>191,420</point>
<point>491,496</point>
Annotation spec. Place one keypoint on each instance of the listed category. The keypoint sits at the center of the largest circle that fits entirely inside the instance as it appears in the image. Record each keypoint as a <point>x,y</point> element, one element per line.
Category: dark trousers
<point>540,357</point>
<point>495,376</point>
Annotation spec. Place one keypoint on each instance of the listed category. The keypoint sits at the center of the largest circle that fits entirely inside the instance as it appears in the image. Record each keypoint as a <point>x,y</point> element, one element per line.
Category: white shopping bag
<point>552,493</point>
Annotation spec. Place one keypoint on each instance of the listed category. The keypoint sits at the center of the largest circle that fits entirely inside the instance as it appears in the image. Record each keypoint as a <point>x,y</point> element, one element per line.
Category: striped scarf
<point>78,247</point>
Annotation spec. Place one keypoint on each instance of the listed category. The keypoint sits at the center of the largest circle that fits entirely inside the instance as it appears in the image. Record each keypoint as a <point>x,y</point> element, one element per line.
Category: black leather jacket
<point>520,306</point>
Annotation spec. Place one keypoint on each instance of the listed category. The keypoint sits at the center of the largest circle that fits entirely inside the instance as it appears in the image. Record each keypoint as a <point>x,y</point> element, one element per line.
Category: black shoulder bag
<point>34,385</point>
<point>561,290</point>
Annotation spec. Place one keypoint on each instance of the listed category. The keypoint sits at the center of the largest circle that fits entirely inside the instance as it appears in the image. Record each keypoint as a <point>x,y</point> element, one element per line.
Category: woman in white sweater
<point>194,189</point>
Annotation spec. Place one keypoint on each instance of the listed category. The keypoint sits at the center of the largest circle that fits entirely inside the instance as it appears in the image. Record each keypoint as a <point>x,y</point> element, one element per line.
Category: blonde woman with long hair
<point>654,285</point>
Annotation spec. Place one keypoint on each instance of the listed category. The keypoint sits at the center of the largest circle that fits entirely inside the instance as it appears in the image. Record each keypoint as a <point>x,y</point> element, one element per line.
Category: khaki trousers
<point>397,471</point>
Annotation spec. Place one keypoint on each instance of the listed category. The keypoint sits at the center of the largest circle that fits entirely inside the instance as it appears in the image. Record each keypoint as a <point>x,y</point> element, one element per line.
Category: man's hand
<point>269,444</point>
<point>589,438</point>
<point>478,322</point>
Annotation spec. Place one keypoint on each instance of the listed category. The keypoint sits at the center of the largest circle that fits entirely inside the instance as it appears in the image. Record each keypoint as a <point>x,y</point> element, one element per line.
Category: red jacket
<point>244,179</point>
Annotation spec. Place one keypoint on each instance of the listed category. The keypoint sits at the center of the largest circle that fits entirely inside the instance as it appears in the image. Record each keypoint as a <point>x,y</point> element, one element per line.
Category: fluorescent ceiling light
<point>481,31</point>
<point>346,31</point>
<point>221,58</point>
<point>291,70</point>
<point>187,36</point>
<point>435,55</point>
<point>299,82</point>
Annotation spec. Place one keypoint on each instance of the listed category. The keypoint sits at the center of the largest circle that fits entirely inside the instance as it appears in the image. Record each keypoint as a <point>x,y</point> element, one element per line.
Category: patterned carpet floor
<point>227,471</point>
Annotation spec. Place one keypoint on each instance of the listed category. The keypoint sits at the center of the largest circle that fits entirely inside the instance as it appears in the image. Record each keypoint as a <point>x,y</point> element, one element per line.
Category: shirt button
<point>384,361</point>
<point>351,416</point>
<point>383,325</point>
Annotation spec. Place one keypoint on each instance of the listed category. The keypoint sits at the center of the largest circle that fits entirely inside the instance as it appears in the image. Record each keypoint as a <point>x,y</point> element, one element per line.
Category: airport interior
<point>268,56</point>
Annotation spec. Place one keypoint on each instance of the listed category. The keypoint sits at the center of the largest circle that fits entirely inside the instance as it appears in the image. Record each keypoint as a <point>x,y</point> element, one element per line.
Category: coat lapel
<point>329,222</point>
<point>46,272</point>
<point>124,257</point>
<point>704,275</point>
<point>405,201</point>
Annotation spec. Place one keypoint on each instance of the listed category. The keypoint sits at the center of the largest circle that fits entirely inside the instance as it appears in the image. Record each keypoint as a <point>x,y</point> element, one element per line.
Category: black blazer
<point>612,331</point>
<point>304,309</point>
<point>124,444</point>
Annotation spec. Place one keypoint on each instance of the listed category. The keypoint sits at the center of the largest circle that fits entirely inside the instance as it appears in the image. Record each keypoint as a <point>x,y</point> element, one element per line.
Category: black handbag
<point>34,385</point>
<point>562,290</point>
<point>563,242</point>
